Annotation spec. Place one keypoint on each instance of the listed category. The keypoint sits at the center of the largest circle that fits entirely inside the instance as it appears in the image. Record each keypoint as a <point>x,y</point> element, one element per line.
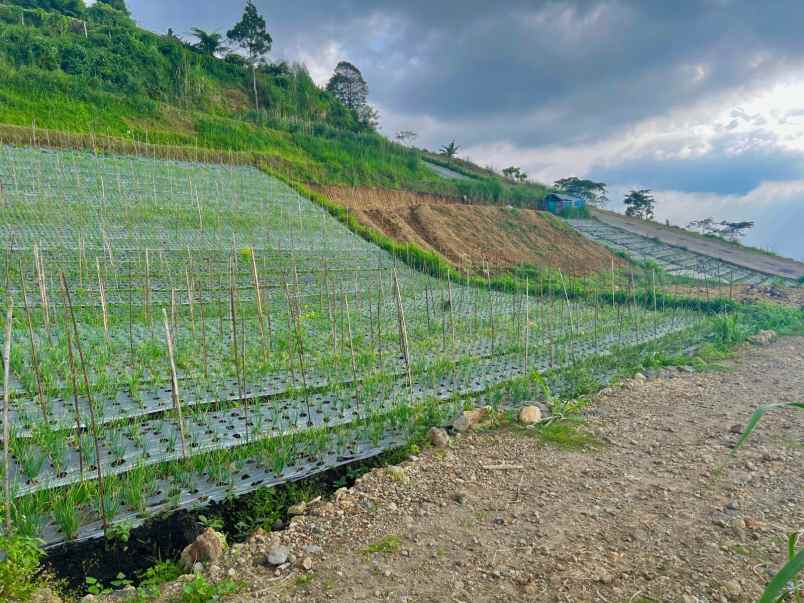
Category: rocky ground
<point>654,508</point>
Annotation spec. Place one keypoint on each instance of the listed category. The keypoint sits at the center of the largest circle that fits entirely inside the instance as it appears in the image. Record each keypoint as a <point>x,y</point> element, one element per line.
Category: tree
<point>348,86</point>
<point>594,193</point>
<point>639,204</point>
<point>117,5</point>
<point>450,150</point>
<point>406,136</point>
<point>251,35</point>
<point>515,173</point>
<point>732,231</point>
<point>210,43</point>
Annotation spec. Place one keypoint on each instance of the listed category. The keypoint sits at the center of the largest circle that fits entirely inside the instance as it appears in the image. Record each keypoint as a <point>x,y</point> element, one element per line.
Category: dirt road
<point>658,510</point>
<point>753,260</point>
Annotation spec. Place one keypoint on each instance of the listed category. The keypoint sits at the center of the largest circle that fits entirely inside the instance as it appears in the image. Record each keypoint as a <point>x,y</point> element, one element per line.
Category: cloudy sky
<point>703,102</point>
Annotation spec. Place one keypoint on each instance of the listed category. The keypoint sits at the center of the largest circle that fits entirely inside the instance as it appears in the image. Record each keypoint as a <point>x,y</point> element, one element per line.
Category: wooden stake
<point>93,422</point>
<point>6,408</point>
<point>174,382</point>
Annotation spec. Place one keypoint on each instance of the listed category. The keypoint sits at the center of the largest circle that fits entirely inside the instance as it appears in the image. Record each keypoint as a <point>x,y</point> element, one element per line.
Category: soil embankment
<point>470,235</point>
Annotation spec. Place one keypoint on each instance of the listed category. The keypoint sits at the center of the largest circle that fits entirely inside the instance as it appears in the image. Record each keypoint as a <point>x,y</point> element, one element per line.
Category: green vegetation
<point>387,546</point>
<point>119,80</point>
<point>19,566</point>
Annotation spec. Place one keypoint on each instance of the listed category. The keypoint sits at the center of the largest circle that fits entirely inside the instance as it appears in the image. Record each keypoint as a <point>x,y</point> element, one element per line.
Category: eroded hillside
<point>469,235</point>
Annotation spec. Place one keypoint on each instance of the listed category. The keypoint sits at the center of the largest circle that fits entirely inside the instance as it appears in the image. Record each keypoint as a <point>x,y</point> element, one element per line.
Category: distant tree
<point>209,42</point>
<point>117,5</point>
<point>348,86</point>
<point>515,173</point>
<point>450,150</point>
<point>406,136</point>
<point>369,117</point>
<point>732,231</point>
<point>639,204</point>
<point>594,193</point>
<point>251,35</point>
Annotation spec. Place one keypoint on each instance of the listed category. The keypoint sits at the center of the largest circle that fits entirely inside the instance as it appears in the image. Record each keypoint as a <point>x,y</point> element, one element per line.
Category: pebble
<point>732,588</point>
<point>312,549</point>
<point>307,563</point>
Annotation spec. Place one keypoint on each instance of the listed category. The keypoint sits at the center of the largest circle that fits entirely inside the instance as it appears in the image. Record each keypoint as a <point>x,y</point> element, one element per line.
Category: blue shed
<point>558,202</point>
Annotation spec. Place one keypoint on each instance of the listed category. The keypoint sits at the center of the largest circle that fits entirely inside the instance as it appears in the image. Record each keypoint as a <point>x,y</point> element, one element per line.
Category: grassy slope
<point>123,81</point>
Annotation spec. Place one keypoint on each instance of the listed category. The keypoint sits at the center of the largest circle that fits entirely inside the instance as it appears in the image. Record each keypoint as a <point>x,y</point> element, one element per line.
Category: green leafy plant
<point>783,584</point>
<point>19,566</point>
<point>199,590</point>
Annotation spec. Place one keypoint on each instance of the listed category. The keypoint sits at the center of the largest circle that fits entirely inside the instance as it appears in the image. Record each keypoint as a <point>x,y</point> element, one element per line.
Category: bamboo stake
<point>403,332</point>
<point>76,407</point>
<point>235,347</point>
<point>174,382</point>
<point>258,299</point>
<point>6,408</point>
<point>93,422</point>
<point>104,307</point>
<point>34,356</point>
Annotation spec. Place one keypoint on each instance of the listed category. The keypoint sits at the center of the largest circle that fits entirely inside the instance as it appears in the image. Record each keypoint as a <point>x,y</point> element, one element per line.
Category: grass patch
<point>387,546</point>
<point>568,434</point>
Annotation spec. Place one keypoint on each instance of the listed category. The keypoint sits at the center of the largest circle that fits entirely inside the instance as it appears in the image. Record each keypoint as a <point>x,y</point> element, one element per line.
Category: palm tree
<point>209,42</point>
<point>450,150</point>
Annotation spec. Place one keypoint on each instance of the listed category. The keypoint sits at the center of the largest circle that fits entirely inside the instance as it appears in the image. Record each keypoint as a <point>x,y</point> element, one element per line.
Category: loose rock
<point>438,437</point>
<point>277,554</point>
<point>209,546</point>
<point>528,415</point>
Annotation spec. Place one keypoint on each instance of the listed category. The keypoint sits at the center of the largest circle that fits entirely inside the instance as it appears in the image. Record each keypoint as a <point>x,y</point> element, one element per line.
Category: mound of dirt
<point>471,235</point>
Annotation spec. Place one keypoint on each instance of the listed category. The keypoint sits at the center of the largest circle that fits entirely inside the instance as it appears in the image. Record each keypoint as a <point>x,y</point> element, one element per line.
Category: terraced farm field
<point>676,260</point>
<point>184,332</point>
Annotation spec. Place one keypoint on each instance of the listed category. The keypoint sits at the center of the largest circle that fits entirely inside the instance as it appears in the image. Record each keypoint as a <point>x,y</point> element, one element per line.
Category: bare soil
<point>657,510</point>
<point>746,257</point>
<point>471,235</point>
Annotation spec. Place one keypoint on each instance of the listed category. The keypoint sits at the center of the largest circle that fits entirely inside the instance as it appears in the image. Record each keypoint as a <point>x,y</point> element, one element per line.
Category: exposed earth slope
<point>469,235</point>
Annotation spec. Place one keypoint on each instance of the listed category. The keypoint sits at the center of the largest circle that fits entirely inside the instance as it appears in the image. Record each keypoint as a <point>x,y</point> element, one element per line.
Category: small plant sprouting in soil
<point>388,545</point>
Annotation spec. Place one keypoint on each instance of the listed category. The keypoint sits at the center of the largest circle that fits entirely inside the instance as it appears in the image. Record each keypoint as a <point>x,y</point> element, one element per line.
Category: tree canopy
<point>349,87</point>
<point>732,231</point>
<point>117,5</point>
<point>251,35</point>
<point>515,173</point>
<point>639,204</point>
<point>594,193</point>
<point>450,150</point>
<point>210,43</point>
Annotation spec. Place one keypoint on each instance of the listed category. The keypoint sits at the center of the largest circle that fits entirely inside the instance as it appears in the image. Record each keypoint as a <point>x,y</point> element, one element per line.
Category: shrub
<point>19,566</point>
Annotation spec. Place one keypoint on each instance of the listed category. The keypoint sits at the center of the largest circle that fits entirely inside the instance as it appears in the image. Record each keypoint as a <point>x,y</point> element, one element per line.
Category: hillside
<point>93,70</point>
<point>474,236</point>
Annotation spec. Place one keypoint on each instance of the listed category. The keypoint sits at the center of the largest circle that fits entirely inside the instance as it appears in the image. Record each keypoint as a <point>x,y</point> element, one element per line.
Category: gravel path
<point>658,511</point>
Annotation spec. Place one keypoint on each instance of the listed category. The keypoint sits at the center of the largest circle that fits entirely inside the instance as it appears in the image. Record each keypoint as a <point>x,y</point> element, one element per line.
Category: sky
<point>702,102</point>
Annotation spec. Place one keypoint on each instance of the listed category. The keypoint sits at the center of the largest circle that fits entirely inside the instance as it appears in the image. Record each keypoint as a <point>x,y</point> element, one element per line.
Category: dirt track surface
<point>659,511</point>
<point>469,235</point>
<point>753,260</point>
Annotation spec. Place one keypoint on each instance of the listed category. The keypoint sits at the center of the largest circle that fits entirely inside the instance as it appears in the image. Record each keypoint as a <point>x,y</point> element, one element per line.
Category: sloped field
<point>185,332</point>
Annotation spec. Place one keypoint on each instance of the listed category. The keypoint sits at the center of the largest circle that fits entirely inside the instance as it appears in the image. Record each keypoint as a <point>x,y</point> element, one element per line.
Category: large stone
<point>528,415</point>
<point>470,419</point>
<point>277,554</point>
<point>209,546</point>
<point>438,437</point>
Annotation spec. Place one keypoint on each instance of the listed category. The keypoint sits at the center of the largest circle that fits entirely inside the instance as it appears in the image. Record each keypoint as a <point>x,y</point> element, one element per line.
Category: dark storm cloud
<point>530,73</point>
